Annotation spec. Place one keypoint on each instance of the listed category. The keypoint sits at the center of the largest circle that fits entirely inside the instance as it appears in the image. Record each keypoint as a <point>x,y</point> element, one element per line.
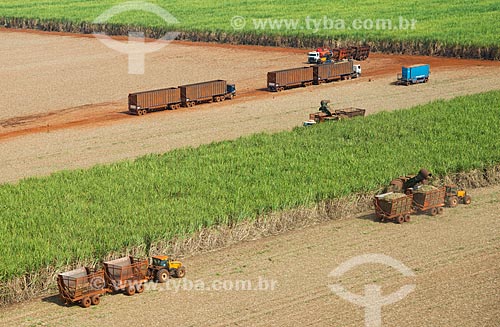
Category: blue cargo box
<point>415,73</point>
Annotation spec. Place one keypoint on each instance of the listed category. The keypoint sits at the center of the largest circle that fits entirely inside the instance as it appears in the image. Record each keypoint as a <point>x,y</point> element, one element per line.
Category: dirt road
<point>455,258</point>
<point>65,97</point>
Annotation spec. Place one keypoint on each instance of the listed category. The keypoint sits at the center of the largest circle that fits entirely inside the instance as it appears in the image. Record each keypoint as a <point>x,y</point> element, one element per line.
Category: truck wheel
<point>453,201</point>
<point>130,290</point>
<point>407,218</point>
<point>180,273</point>
<point>467,199</point>
<point>96,299</point>
<point>162,275</point>
<point>139,288</point>
<point>440,210</point>
<point>86,302</point>
<point>400,219</point>
<point>433,211</point>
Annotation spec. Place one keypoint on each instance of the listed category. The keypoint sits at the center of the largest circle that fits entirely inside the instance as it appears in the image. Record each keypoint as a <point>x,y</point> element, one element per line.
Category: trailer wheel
<point>162,275</point>
<point>467,199</point>
<point>400,219</point>
<point>130,290</point>
<point>407,218</point>
<point>86,302</point>
<point>139,288</point>
<point>96,299</point>
<point>433,211</point>
<point>440,210</point>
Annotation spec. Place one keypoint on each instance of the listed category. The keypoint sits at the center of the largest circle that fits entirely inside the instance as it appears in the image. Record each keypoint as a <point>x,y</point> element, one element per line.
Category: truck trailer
<point>280,80</point>
<point>335,71</point>
<point>141,103</point>
<point>414,74</point>
<point>217,91</point>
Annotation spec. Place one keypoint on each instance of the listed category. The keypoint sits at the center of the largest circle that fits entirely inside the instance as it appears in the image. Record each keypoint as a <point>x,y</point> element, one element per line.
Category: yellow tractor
<point>454,195</point>
<point>162,267</point>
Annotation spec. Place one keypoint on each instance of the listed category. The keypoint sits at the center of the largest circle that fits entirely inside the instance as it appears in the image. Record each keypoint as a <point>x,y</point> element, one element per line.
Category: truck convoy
<point>326,55</point>
<point>280,80</point>
<point>394,203</point>
<point>128,274</point>
<point>174,97</point>
<point>414,74</point>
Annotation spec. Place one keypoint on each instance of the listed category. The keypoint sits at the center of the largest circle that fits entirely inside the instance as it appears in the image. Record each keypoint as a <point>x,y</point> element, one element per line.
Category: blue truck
<point>414,74</point>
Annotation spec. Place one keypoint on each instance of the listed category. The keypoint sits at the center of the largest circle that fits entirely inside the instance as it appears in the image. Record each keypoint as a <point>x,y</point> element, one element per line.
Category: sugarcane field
<point>249,163</point>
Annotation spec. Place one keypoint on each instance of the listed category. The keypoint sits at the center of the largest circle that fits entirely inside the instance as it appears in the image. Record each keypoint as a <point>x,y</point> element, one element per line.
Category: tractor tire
<point>407,218</point>
<point>130,290</point>
<point>139,288</point>
<point>467,199</point>
<point>180,273</point>
<point>440,210</point>
<point>453,201</point>
<point>162,275</point>
<point>86,302</point>
<point>400,219</point>
<point>96,299</point>
<point>434,211</point>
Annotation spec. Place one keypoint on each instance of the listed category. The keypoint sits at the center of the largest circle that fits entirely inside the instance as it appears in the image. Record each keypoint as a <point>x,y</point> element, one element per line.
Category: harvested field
<point>455,259</point>
<point>77,117</point>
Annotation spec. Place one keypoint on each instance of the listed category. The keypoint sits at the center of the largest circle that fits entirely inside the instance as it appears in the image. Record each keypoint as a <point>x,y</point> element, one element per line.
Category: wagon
<point>393,206</point>
<point>82,286</point>
<point>430,201</point>
<point>128,274</point>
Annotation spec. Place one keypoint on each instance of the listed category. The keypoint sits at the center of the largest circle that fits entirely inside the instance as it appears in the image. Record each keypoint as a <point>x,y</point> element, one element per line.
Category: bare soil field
<point>455,258</point>
<point>65,97</point>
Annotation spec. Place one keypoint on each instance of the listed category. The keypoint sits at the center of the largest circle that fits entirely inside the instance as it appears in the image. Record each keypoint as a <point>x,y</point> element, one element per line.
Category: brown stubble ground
<point>455,258</point>
<point>65,97</point>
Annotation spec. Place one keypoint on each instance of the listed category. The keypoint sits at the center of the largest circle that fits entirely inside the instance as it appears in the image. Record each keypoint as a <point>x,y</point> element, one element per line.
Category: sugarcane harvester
<point>408,184</point>
<point>325,113</point>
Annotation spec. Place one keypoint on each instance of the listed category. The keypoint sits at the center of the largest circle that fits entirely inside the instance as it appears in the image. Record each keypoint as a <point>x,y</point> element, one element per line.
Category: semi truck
<point>326,55</point>
<point>141,103</point>
<point>414,74</point>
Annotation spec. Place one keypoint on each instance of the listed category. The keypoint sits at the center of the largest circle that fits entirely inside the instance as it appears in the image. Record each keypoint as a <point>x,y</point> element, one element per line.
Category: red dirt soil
<point>109,112</point>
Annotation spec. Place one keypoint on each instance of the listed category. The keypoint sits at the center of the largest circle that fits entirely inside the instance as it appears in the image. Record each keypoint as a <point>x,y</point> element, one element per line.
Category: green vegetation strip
<point>463,23</point>
<point>86,214</point>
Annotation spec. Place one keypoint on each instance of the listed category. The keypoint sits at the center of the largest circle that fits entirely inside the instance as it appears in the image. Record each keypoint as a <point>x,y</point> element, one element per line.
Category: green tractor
<point>162,267</point>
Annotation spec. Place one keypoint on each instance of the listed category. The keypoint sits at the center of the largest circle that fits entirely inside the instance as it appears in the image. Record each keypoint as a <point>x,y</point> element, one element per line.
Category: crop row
<point>449,23</point>
<point>84,214</point>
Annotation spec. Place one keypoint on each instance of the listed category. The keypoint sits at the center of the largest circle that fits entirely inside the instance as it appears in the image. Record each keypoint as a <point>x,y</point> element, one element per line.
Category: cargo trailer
<point>143,102</point>
<point>431,201</point>
<point>217,91</point>
<point>414,74</point>
<point>335,71</point>
<point>280,80</point>
<point>359,53</point>
<point>127,273</point>
<point>82,286</point>
<point>393,206</point>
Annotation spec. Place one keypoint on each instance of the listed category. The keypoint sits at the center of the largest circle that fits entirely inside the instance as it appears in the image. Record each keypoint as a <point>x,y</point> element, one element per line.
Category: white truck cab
<point>356,71</point>
<point>313,57</point>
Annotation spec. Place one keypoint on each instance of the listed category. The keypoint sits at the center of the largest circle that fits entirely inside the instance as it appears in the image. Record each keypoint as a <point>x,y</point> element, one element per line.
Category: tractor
<point>454,195</point>
<point>162,267</point>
